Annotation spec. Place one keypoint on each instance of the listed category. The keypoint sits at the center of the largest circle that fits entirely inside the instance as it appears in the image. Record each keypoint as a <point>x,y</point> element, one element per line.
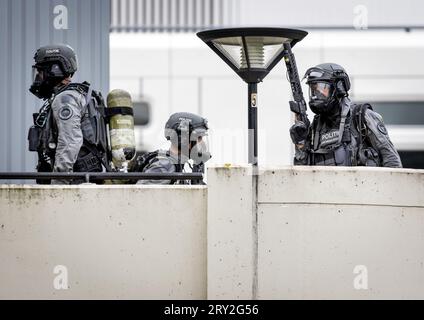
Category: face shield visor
<point>320,90</point>
<point>199,151</point>
<point>38,74</point>
<point>321,98</point>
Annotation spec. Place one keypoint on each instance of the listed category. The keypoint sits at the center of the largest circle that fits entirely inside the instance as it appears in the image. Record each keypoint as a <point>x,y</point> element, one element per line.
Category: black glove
<point>299,132</point>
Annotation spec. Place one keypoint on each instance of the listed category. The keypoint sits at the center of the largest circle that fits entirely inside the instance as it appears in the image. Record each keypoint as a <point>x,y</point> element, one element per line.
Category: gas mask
<point>328,83</point>
<point>322,98</point>
<point>45,78</point>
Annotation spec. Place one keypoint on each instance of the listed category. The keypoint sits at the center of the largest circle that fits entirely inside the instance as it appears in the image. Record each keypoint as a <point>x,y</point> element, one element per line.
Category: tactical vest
<point>144,160</point>
<point>350,147</point>
<point>94,152</point>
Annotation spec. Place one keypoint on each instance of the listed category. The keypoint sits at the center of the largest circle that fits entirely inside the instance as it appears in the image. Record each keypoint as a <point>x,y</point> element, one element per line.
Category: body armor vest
<point>347,145</point>
<point>43,134</point>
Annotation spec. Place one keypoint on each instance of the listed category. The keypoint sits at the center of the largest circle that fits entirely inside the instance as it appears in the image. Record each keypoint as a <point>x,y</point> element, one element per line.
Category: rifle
<point>298,104</point>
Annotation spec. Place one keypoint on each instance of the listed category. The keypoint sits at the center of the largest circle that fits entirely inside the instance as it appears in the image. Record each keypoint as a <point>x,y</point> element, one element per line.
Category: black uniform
<point>361,139</point>
<point>342,133</point>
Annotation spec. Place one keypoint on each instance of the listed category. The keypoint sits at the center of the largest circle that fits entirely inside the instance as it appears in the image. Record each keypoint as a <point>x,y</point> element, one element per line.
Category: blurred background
<point>150,48</point>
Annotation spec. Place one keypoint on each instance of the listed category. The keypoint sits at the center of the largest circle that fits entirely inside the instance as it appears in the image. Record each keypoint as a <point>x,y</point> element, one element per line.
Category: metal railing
<point>100,176</point>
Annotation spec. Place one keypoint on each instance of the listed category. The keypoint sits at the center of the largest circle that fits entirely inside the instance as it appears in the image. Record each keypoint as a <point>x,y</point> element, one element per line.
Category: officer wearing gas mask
<point>68,132</point>
<point>341,133</point>
<point>188,135</point>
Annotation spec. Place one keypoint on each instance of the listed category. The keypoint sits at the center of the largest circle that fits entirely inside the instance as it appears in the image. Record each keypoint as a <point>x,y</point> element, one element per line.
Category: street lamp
<point>251,53</point>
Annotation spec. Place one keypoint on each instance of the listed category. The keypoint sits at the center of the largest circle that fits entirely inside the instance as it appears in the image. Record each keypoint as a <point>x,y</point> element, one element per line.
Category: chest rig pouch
<point>42,139</point>
<point>334,147</point>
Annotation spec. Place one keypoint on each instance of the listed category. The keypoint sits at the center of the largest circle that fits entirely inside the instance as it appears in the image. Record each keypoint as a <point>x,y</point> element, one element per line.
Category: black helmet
<point>52,64</point>
<point>328,82</point>
<point>188,131</point>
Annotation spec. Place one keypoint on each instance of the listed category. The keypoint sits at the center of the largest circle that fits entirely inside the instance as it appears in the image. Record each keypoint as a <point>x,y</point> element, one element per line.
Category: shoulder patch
<point>65,113</point>
<point>381,128</point>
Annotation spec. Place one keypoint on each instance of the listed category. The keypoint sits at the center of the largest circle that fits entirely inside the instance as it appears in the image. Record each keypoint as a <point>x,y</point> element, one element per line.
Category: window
<point>401,112</point>
<point>412,159</point>
<point>402,119</point>
<point>141,113</point>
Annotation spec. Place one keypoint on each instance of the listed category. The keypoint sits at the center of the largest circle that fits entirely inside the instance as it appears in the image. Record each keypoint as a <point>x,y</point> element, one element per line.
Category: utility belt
<point>346,155</point>
<point>340,156</point>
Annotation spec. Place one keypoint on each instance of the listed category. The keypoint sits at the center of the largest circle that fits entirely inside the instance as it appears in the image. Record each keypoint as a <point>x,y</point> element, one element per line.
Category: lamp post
<point>251,53</point>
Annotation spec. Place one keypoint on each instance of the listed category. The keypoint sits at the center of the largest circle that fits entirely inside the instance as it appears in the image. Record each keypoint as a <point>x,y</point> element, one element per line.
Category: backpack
<point>366,154</point>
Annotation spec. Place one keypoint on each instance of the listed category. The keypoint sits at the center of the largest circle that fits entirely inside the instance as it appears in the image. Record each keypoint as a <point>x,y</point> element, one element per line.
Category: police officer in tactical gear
<point>68,132</point>
<point>187,133</point>
<point>342,133</point>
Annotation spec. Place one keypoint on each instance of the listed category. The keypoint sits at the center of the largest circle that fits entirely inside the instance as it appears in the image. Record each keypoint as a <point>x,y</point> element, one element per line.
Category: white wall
<point>180,73</point>
<point>303,238</point>
<point>330,12</point>
<point>117,242</point>
<point>312,227</point>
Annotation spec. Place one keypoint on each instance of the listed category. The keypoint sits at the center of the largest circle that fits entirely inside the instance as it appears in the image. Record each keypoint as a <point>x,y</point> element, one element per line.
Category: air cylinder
<point>121,128</point>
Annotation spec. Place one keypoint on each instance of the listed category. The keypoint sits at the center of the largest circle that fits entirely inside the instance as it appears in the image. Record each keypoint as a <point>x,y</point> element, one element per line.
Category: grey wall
<point>26,25</point>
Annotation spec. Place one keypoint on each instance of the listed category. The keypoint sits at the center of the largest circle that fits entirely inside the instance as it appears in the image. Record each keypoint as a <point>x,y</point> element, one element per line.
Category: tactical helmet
<point>328,82</point>
<point>52,64</point>
<point>187,131</point>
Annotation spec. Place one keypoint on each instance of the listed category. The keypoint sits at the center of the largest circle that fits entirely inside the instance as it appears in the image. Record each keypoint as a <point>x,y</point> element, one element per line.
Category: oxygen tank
<point>121,128</point>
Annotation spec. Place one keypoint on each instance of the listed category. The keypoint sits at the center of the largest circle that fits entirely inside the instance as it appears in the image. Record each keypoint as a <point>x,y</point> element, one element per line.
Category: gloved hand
<point>299,132</point>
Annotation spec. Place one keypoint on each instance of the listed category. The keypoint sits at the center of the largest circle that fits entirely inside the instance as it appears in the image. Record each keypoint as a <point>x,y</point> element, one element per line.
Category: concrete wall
<point>311,229</point>
<point>303,232</point>
<point>116,242</point>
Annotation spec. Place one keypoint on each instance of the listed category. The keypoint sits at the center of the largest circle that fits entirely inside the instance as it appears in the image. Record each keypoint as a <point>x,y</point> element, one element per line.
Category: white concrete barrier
<point>133,242</point>
<point>303,232</point>
<point>318,233</point>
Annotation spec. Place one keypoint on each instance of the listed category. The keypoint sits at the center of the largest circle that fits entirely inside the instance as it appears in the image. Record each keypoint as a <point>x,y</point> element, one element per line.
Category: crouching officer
<point>342,133</point>
<point>187,133</point>
<point>69,132</point>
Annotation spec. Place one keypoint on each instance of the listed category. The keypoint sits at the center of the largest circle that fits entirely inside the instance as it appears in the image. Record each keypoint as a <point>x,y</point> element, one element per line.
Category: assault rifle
<point>298,105</point>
